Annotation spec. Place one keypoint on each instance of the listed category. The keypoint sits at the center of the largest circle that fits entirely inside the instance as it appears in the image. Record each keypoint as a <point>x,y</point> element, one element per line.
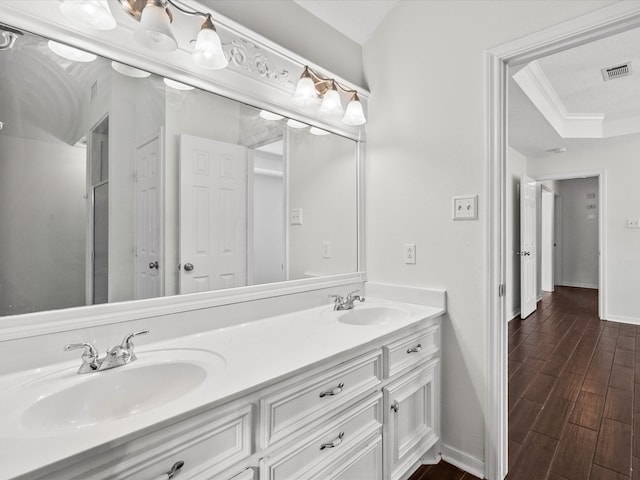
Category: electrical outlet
<point>465,208</point>
<point>296,216</point>
<point>326,249</point>
<point>409,250</point>
<point>633,223</point>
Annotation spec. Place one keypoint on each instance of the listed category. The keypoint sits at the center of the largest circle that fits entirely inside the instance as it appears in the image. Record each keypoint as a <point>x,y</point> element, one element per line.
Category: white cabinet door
<point>411,423</point>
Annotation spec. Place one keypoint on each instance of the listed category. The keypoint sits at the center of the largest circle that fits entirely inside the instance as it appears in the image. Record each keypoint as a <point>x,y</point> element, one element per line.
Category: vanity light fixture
<point>90,13</point>
<point>154,31</point>
<point>71,53</point>
<point>312,87</point>
<point>177,85</point>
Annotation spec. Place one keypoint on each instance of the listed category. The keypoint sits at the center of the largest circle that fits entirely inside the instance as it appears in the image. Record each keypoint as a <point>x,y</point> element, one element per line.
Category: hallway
<point>572,378</point>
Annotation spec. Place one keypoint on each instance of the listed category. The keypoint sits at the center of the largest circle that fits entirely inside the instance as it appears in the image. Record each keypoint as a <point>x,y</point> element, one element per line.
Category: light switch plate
<point>633,223</point>
<point>296,216</point>
<point>326,249</point>
<point>465,208</point>
<point>409,253</point>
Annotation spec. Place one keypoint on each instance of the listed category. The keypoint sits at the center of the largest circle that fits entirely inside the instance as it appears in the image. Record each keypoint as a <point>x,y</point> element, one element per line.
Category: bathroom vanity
<point>314,394</point>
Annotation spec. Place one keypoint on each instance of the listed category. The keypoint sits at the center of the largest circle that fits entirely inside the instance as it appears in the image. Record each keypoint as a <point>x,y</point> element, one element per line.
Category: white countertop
<point>246,357</point>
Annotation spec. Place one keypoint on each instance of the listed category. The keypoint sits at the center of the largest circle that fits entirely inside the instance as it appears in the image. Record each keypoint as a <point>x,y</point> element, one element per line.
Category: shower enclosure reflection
<point>118,185</point>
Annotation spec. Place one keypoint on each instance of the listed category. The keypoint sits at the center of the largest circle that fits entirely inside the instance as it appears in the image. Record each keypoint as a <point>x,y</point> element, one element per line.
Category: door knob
<point>188,267</point>
<point>153,264</point>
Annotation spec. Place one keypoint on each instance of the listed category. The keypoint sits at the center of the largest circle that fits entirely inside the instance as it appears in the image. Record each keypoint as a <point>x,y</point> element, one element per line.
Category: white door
<point>213,214</point>
<point>148,241</point>
<point>528,273</point>
<point>546,241</point>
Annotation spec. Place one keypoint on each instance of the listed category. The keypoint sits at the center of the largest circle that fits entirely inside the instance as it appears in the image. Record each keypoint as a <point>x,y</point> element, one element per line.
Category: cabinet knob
<point>333,444</point>
<point>333,391</point>
<point>415,349</point>
<point>395,406</point>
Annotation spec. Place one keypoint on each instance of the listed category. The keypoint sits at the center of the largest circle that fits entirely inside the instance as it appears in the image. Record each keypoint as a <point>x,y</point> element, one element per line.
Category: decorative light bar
<point>154,29</point>
<point>313,89</point>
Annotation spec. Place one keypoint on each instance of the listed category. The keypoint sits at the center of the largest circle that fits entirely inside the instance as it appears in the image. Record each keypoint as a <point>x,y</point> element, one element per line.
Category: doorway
<point>617,18</point>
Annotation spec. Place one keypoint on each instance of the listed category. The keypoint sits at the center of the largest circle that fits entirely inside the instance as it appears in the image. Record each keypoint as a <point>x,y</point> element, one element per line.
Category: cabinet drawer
<point>411,350</point>
<point>207,444</point>
<point>295,405</point>
<point>317,452</point>
<point>361,462</point>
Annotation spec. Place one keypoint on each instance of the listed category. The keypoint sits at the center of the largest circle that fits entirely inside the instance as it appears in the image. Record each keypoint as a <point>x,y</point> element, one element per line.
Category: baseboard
<point>579,285</point>
<point>623,319</point>
<point>462,460</point>
<point>514,314</point>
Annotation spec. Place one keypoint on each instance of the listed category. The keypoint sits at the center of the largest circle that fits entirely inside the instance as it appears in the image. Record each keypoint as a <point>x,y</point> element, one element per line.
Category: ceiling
<point>562,102</point>
<point>356,19</point>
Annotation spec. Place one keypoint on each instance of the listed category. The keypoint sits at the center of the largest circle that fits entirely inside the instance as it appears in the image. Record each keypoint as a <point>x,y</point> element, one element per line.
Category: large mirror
<point>119,185</point>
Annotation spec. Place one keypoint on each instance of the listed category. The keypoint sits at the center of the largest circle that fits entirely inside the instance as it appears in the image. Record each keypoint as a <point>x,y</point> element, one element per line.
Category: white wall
<point>618,157</point>
<point>579,232</point>
<point>516,167</point>
<point>322,182</point>
<point>425,66</point>
<point>42,226</point>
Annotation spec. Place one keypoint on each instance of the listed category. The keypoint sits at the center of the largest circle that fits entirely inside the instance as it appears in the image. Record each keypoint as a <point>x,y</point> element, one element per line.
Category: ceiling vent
<point>618,71</point>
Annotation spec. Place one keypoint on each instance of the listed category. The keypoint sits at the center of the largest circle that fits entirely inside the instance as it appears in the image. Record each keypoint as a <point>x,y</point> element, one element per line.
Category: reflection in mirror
<point>118,185</point>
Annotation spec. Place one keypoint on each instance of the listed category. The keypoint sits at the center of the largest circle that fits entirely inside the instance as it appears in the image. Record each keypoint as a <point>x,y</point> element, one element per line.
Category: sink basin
<point>67,401</point>
<point>373,315</point>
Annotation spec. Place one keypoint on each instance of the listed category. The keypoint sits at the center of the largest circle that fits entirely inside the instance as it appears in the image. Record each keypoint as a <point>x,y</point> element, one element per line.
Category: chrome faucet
<point>116,356</point>
<point>346,303</point>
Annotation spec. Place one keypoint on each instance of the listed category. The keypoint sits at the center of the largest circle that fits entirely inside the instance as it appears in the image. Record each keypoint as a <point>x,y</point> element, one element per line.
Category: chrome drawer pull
<point>415,349</point>
<point>395,407</point>
<point>332,392</point>
<point>174,470</point>
<point>333,444</point>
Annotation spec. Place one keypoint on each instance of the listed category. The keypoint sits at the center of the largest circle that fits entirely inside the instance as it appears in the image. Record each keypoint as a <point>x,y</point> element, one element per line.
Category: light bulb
<point>208,51</point>
<point>305,93</point>
<point>71,53</point>
<point>154,31</point>
<point>129,71</point>
<point>177,85</point>
<point>331,103</point>
<point>90,13</point>
<point>270,115</point>
<point>318,131</point>
<point>295,124</point>
<point>354,114</point>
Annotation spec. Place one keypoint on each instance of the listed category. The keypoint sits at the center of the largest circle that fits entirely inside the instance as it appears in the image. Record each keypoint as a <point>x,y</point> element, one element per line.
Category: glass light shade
<point>154,31</point>
<point>270,115</point>
<point>331,103</point>
<point>296,124</point>
<point>71,53</point>
<point>129,71</point>
<point>90,13</point>
<point>208,50</point>
<point>318,131</point>
<point>354,114</point>
<point>176,85</point>
<point>305,93</point>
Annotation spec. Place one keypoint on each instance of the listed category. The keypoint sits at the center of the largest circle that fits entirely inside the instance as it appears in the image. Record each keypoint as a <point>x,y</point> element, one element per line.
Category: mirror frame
<point>271,91</point>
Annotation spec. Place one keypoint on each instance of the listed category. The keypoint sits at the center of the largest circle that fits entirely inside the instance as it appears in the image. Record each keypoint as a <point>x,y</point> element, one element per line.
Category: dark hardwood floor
<point>574,395</point>
<point>441,471</point>
<point>574,392</point>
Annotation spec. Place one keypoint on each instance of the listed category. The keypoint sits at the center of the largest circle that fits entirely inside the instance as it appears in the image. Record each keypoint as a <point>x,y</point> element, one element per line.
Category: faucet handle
<point>351,296</point>
<point>89,356</point>
<point>127,343</point>
<point>337,298</point>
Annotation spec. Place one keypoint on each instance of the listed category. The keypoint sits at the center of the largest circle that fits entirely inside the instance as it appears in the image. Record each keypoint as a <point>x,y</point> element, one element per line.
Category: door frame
<point>601,175</point>
<point>609,20</point>
<point>546,250</point>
